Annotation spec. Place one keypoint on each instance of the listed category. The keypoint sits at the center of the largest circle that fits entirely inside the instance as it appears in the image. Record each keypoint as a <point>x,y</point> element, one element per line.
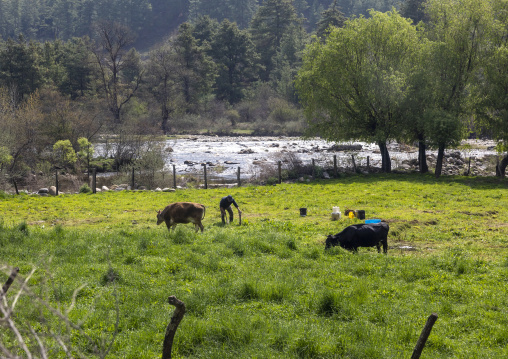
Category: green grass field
<point>267,288</point>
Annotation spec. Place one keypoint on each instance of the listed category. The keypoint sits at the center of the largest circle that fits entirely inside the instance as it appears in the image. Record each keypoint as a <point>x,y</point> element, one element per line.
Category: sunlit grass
<point>267,289</point>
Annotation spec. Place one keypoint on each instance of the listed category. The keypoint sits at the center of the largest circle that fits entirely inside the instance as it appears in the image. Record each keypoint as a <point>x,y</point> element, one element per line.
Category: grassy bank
<point>267,289</point>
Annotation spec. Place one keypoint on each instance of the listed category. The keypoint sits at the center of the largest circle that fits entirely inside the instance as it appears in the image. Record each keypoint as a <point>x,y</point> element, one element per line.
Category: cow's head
<point>160,218</point>
<point>330,241</point>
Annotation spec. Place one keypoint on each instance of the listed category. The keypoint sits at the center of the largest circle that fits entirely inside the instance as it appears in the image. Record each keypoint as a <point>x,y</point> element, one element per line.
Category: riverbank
<point>255,160</point>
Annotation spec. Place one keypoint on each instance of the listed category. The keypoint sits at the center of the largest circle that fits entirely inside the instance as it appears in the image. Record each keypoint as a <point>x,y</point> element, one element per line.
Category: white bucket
<point>336,210</point>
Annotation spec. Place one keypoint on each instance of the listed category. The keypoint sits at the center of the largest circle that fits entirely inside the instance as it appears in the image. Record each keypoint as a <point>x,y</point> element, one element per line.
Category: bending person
<point>225,205</point>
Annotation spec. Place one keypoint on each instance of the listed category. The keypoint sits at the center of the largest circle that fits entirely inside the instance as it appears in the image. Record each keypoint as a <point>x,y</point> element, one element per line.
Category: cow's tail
<point>204,211</point>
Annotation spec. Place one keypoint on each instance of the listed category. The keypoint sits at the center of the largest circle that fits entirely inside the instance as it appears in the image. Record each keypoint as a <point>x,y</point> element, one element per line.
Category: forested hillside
<point>150,20</point>
<point>73,73</point>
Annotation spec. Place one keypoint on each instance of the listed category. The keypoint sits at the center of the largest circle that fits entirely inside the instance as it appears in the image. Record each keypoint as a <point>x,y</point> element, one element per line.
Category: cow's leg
<point>200,226</point>
<point>385,246</point>
<point>378,245</point>
<point>196,227</point>
<point>168,224</point>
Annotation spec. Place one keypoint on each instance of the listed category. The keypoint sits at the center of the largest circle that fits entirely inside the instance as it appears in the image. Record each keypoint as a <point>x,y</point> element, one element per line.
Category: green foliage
<point>85,188</point>
<point>5,156</point>
<point>235,51</point>
<point>273,20</point>
<point>331,17</point>
<point>354,71</point>
<point>86,149</point>
<point>64,153</point>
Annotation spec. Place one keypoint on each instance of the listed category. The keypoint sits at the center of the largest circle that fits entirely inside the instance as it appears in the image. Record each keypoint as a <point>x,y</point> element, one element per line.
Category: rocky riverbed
<point>223,155</point>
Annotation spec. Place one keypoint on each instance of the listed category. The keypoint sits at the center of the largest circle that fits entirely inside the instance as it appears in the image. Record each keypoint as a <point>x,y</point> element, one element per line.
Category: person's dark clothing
<point>230,211</point>
<point>225,203</point>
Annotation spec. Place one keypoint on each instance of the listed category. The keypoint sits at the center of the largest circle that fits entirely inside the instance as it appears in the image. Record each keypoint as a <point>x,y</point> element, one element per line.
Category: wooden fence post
<point>469,167</point>
<point>335,165</point>
<point>279,164</point>
<point>172,326</point>
<point>94,180</point>
<point>354,164</point>
<point>174,177</point>
<point>132,181</point>
<point>56,180</point>
<point>424,336</point>
<point>238,177</point>
<point>368,163</point>
<point>206,180</point>
<point>313,169</point>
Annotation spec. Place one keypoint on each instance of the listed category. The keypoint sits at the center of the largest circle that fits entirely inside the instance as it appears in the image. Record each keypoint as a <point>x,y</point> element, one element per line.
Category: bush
<point>85,189</point>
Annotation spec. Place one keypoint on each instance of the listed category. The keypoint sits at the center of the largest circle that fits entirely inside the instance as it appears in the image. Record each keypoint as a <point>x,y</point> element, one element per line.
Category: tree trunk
<point>386,164</point>
<point>501,169</point>
<point>439,162</point>
<point>422,157</point>
<point>165,118</point>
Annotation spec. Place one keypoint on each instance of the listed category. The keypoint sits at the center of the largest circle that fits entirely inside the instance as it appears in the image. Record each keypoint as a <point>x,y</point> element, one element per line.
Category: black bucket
<point>361,214</point>
<point>303,212</point>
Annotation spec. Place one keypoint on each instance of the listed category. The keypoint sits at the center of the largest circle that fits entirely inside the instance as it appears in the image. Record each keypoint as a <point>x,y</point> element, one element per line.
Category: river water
<point>223,155</point>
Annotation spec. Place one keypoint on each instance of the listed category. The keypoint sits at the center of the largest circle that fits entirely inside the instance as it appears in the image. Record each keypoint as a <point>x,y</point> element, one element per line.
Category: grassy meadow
<point>267,288</point>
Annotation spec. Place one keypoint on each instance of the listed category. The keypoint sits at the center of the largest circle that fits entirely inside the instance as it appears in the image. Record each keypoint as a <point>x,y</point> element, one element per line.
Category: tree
<point>492,85</point>
<point>86,151</point>
<point>239,11</point>
<point>234,53</point>
<point>353,86</point>
<point>414,10</point>
<point>21,124</point>
<point>270,23</point>
<point>458,31</point>
<point>287,61</point>
<point>114,60</point>
<point>204,29</point>
<point>19,67</point>
<point>194,70</point>
<point>331,17</point>
<point>76,61</point>
<point>161,73</point>
<point>64,153</point>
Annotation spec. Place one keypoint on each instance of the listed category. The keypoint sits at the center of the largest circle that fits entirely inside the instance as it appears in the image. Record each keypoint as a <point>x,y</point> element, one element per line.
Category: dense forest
<point>150,20</point>
<point>73,73</point>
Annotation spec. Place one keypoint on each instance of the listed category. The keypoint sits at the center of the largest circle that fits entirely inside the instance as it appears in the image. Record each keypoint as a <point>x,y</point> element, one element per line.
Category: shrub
<point>85,188</point>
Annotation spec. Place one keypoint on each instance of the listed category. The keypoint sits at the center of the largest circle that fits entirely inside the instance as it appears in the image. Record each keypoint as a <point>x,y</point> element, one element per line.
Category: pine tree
<point>194,70</point>
<point>269,25</point>
<point>19,70</point>
<point>331,17</point>
<point>234,53</point>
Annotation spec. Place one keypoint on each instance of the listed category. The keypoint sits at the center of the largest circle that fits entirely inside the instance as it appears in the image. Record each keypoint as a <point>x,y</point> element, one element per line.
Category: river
<point>223,155</point>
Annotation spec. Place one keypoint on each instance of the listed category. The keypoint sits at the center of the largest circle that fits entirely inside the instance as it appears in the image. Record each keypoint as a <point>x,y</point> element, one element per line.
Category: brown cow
<point>182,212</point>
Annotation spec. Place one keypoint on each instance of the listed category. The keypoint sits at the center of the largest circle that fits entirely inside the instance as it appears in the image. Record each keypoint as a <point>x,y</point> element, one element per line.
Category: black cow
<point>361,235</point>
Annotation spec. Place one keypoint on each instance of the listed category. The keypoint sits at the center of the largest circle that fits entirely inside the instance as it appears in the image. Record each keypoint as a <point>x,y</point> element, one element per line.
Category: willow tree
<point>459,32</point>
<point>492,84</point>
<point>354,85</point>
